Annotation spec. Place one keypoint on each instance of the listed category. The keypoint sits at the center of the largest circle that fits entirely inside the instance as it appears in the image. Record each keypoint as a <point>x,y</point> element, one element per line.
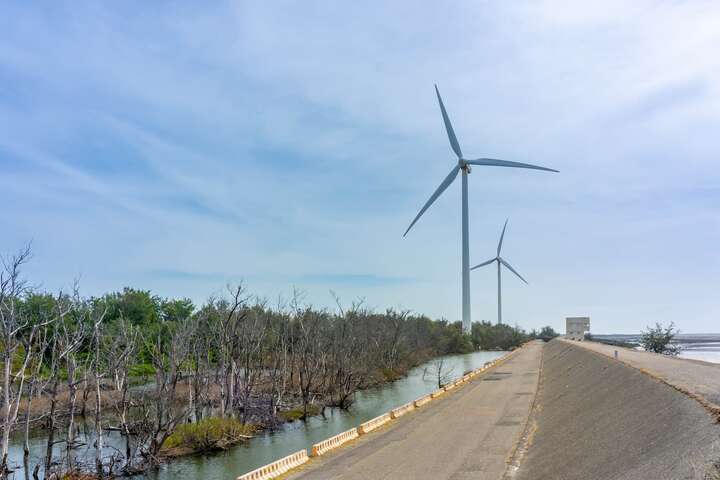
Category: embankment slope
<point>600,419</point>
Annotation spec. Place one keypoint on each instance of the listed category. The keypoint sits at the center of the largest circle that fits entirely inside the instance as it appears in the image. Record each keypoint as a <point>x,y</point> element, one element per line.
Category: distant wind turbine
<point>500,261</point>
<point>464,165</point>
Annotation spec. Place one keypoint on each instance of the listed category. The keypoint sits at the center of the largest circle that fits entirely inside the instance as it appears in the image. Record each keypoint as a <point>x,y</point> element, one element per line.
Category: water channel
<point>291,437</point>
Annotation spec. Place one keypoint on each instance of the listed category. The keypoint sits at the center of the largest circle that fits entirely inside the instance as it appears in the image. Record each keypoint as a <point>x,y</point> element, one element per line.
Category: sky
<point>183,146</point>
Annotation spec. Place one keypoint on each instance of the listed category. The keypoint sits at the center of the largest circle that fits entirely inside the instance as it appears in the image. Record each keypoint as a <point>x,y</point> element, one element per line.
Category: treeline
<point>66,357</point>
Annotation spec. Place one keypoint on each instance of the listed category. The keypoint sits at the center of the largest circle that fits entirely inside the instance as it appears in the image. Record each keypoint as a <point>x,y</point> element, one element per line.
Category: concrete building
<point>575,327</point>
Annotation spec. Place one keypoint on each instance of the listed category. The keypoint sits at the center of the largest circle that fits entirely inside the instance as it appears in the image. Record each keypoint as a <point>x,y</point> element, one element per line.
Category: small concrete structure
<point>575,328</point>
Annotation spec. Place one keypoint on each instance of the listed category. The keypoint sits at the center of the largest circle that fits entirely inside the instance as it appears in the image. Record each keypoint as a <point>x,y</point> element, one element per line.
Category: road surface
<point>466,434</point>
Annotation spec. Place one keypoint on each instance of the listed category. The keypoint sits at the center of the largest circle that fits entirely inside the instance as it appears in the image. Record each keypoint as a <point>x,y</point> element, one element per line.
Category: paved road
<point>701,378</point>
<point>465,434</point>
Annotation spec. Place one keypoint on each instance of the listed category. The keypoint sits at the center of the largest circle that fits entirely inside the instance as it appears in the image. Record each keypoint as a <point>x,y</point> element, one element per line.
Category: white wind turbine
<point>500,262</point>
<point>464,166</point>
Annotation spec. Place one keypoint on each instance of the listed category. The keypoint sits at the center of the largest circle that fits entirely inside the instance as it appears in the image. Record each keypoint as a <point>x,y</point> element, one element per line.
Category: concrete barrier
<point>277,468</point>
<point>402,410</point>
<point>334,442</point>
<point>437,393</point>
<point>422,401</point>
<point>371,425</point>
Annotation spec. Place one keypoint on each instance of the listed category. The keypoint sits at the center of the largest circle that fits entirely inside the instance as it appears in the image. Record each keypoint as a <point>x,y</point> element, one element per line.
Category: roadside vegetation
<point>176,378</point>
<point>659,339</point>
<point>545,334</point>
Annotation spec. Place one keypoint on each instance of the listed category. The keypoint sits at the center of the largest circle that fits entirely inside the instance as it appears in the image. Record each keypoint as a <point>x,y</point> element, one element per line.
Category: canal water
<point>289,438</point>
<point>294,436</point>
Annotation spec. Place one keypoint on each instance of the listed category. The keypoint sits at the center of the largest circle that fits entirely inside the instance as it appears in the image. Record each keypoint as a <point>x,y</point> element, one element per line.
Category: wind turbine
<point>500,262</point>
<point>463,165</point>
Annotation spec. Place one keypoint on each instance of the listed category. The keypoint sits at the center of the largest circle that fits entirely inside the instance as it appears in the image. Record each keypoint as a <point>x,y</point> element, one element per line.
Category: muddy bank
<point>599,419</point>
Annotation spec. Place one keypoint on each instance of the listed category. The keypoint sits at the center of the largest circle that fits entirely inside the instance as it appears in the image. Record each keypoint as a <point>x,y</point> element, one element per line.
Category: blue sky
<point>181,146</point>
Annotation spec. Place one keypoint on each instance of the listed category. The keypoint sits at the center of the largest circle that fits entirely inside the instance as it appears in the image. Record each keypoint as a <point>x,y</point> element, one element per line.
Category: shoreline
<point>169,458</point>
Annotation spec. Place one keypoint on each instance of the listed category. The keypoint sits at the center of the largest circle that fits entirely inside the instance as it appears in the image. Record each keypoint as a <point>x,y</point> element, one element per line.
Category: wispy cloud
<point>190,276</point>
<point>203,143</point>
<point>352,280</point>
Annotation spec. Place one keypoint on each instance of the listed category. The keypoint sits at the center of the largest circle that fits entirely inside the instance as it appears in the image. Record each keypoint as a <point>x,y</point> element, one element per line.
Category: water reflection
<point>267,446</point>
<point>292,437</point>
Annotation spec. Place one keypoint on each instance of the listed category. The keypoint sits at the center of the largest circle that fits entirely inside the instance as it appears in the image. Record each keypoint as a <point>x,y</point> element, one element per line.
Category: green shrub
<point>208,434</point>
<point>487,336</point>
<point>141,370</point>
<point>659,339</point>
<point>297,413</point>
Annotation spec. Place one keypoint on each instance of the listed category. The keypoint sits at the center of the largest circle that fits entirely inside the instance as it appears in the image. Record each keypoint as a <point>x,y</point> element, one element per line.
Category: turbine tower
<point>463,165</point>
<point>500,262</point>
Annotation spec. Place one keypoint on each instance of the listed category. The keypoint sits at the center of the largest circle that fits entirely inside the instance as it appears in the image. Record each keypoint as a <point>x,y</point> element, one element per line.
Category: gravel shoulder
<point>467,434</point>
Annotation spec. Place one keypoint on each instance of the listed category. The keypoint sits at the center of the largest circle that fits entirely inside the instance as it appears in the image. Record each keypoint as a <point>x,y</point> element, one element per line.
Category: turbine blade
<point>448,126</point>
<point>513,270</point>
<point>446,183</point>
<point>492,162</point>
<point>484,263</point>
<point>502,235</point>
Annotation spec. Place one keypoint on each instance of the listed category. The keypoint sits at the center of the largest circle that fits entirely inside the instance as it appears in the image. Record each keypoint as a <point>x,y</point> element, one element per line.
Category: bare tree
<point>251,360</point>
<point>62,344</point>
<point>72,336</point>
<point>168,350</point>
<point>121,353</point>
<point>201,347</point>
<point>250,352</point>
<point>439,371</point>
<point>35,385</point>
<point>309,351</point>
<point>97,317</point>
<point>230,316</point>
<point>12,287</point>
<point>347,365</point>
<point>280,364</point>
